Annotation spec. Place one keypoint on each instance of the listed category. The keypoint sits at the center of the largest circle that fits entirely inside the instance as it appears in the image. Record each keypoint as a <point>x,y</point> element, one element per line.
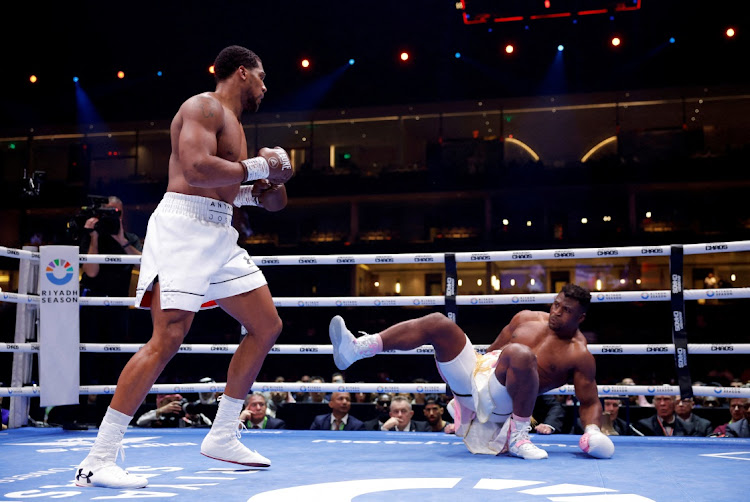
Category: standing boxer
<point>533,354</point>
<point>191,256</point>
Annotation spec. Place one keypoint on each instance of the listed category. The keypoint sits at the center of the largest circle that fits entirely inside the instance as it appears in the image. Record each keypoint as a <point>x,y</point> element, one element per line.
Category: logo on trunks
<point>480,257</point>
<point>657,348</point>
<point>676,284</point>
<point>270,261</point>
<point>607,252</point>
<point>717,247</point>
<point>652,251</point>
<point>308,349</point>
<point>59,272</point>
<point>303,261</point>
<point>679,324</point>
<point>345,259</point>
<point>423,259</point>
<point>721,348</point>
<point>383,259</point>
<point>564,254</point>
<point>521,255</point>
<point>112,260</point>
<point>219,348</point>
<point>112,348</point>
<point>681,358</point>
<point>612,349</point>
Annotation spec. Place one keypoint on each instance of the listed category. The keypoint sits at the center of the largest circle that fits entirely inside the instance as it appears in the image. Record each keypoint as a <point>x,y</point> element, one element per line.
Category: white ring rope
<point>370,259</point>
<point>428,301</point>
<point>597,349</point>
<point>422,388</point>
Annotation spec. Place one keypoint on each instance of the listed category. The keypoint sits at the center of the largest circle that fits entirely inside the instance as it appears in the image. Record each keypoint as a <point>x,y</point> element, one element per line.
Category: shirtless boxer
<point>191,257</point>
<point>533,354</point>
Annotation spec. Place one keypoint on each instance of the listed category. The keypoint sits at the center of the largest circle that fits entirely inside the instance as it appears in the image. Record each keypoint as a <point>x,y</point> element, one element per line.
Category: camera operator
<point>173,410</point>
<point>107,235</point>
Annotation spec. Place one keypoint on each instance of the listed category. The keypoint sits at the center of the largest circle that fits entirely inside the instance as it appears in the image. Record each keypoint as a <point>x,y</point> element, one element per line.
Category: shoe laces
<point>108,443</point>
<point>242,427</point>
<point>520,434</point>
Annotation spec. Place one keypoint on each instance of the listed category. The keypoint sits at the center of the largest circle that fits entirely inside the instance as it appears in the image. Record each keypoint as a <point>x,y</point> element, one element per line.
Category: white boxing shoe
<point>343,343</point>
<point>106,475</point>
<point>517,442</point>
<point>226,446</point>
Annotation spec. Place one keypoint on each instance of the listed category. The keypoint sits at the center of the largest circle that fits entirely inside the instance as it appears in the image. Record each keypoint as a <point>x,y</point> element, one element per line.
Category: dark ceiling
<point>93,40</point>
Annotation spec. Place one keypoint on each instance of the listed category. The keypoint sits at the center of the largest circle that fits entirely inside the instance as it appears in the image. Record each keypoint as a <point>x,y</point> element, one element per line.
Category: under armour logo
<point>87,477</point>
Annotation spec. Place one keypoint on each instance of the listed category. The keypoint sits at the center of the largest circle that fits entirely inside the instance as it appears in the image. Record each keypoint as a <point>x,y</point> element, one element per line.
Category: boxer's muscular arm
<point>506,335</point>
<point>584,380</point>
<point>202,120</point>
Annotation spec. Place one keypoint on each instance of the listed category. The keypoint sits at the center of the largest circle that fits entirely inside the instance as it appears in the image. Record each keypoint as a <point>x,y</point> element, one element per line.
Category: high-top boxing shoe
<point>346,348</point>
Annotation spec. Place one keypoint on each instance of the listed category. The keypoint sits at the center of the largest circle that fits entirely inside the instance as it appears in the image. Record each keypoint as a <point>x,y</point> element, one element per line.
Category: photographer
<point>173,410</point>
<point>105,234</point>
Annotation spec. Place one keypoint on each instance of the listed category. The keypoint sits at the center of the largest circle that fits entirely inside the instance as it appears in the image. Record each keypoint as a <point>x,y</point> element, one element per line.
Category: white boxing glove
<point>272,164</point>
<point>595,443</point>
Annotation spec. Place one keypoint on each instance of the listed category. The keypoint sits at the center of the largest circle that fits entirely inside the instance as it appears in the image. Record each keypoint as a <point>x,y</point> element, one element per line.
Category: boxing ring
<point>366,466</point>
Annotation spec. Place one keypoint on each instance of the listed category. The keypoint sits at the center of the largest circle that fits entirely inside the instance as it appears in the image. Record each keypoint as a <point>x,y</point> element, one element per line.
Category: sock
<point>229,410</point>
<point>521,422</point>
<point>116,418</point>
<point>368,345</point>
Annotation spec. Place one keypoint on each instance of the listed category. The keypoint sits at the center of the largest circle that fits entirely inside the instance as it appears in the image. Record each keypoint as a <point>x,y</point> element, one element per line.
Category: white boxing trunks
<point>192,247</point>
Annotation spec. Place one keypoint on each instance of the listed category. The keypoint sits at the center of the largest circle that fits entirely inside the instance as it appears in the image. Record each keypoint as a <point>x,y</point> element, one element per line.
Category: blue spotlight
<point>458,55</point>
<point>671,40</point>
<point>489,30</point>
<point>159,73</point>
<point>75,79</point>
<point>351,62</point>
<point>560,48</point>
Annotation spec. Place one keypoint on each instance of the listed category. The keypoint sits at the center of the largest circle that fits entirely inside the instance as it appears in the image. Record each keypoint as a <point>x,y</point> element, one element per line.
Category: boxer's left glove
<point>595,443</point>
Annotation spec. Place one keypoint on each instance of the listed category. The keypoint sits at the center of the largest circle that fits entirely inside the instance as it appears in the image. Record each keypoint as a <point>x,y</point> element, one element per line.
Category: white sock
<point>116,418</point>
<point>229,410</point>
<point>368,345</point>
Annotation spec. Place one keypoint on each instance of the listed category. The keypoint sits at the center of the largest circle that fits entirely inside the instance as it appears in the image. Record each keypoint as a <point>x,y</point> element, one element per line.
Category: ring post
<point>679,332</point>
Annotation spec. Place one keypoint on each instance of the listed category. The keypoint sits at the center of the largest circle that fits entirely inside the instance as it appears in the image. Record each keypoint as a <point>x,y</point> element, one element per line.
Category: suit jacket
<point>373,425</point>
<point>271,423</point>
<point>739,429</point>
<point>701,426</point>
<point>650,427</point>
<point>323,423</point>
<point>416,426</point>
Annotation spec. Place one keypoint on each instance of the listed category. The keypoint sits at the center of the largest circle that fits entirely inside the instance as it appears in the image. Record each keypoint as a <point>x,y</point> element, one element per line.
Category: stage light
<point>120,74</point>
<point>32,79</point>
<point>616,41</point>
<point>404,56</point>
<point>458,55</point>
<point>159,73</point>
<point>509,49</point>
<point>351,62</point>
<point>211,69</point>
<point>672,40</point>
<point>730,32</point>
<point>75,79</point>
<point>305,63</point>
<point>560,48</point>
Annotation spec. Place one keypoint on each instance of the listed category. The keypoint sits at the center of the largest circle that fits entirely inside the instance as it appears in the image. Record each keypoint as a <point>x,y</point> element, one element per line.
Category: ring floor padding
<point>311,466</point>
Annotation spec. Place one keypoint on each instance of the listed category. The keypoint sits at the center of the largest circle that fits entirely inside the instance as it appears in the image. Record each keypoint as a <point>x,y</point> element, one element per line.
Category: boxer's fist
<point>595,443</point>
<point>280,169</point>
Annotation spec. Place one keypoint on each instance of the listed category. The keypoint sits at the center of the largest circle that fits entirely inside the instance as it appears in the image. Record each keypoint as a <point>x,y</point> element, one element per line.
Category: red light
<point>509,49</point>
<point>546,4</point>
<point>305,63</point>
<point>404,56</point>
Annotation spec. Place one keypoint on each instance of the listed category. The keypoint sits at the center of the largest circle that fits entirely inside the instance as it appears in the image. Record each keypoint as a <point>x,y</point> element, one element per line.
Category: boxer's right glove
<point>595,443</point>
<point>272,164</point>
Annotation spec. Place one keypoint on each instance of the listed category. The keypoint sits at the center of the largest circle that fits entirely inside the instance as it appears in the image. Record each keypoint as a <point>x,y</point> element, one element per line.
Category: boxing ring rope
<point>410,301</point>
